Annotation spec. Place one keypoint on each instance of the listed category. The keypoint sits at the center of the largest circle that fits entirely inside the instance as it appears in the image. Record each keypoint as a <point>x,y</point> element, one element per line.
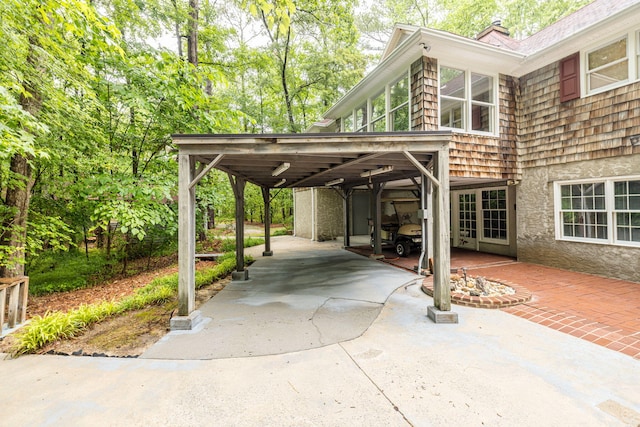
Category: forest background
<point>91,90</point>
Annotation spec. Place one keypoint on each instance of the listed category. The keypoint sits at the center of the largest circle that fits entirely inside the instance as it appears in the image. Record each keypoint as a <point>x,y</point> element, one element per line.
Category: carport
<point>342,161</point>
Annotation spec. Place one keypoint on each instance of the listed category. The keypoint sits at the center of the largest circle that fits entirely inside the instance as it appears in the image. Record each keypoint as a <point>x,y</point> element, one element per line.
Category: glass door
<point>465,234</point>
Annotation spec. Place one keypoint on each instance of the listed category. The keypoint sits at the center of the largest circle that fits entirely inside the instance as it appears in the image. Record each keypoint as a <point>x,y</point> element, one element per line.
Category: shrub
<point>64,271</point>
<point>53,326</point>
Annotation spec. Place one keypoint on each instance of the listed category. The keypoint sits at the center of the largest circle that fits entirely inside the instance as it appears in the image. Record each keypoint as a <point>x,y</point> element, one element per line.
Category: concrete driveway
<point>492,368</point>
<point>308,295</point>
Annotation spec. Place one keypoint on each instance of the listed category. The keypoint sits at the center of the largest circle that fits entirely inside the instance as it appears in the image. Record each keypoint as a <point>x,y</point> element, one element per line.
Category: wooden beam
<point>186,236</point>
<point>206,170</point>
<point>376,193</point>
<point>423,170</point>
<point>442,261</point>
<point>237,184</point>
<point>267,221</point>
<point>346,203</point>
<point>338,167</point>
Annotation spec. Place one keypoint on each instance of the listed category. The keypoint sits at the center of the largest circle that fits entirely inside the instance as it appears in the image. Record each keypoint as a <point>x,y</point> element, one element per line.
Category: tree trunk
<point>192,37</point>
<point>15,227</point>
<point>285,87</point>
<point>19,194</point>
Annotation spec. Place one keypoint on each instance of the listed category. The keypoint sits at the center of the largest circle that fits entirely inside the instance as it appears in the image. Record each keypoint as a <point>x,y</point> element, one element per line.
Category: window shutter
<point>570,77</point>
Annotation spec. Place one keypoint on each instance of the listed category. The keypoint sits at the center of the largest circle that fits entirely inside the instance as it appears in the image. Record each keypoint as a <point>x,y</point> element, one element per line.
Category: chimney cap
<point>496,26</point>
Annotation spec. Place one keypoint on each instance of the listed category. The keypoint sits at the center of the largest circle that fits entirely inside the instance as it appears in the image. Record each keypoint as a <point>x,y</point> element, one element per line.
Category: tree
<point>43,65</point>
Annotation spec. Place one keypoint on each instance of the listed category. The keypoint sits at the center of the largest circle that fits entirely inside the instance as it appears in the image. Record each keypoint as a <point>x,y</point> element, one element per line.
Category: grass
<point>53,326</point>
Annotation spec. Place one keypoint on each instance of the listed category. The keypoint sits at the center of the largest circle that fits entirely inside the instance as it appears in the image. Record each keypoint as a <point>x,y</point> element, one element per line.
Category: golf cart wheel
<point>403,248</point>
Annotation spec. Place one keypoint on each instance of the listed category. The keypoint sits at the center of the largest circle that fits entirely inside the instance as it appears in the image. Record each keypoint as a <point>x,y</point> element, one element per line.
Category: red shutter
<point>570,77</point>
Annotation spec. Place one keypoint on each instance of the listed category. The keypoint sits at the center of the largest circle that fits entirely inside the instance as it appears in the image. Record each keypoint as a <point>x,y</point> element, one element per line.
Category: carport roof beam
<point>206,170</point>
<point>422,169</point>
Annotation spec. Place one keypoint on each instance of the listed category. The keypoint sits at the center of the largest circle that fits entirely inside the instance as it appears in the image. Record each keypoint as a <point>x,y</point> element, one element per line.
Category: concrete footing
<point>267,253</point>
<point>439,316</point>
<point>185,323</point>
<point>240,275</point>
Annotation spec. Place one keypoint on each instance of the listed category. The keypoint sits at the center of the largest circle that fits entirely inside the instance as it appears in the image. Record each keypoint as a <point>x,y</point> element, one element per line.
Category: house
<point>544,158</point>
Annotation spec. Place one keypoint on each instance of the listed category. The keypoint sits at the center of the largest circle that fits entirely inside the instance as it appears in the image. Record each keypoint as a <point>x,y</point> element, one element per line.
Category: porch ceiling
<point>315,159</point>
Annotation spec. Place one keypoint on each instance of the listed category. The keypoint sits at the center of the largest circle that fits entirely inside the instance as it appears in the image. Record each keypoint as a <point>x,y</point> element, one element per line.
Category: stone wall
<point>302,216</point>
<point>329,214</point>
<point>536,228</point>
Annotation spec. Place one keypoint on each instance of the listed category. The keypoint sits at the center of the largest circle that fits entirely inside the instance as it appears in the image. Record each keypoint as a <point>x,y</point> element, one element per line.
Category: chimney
<point>496,26</point>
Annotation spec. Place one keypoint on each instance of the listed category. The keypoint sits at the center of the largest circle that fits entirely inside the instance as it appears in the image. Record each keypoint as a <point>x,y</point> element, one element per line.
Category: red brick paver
<point>597,309</point>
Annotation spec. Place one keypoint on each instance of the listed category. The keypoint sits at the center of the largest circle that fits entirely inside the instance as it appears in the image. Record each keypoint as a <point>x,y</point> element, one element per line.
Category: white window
<point>494,214</point>
<point>387,110</point>
<point>599,211</point>
<point>467,100</point>
<point>612,64</point>
<point>378,113</point>
<point>399,105</point>
<point>627,210</point>
<point>608,65</point>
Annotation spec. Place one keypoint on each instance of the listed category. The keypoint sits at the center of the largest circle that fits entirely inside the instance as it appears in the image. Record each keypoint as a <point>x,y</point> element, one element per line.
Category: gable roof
<point>597,12</point>
<point>496,53</point>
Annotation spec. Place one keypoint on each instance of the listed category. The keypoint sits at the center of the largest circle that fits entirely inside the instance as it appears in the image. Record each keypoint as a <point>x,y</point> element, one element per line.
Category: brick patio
<point>597,309</point>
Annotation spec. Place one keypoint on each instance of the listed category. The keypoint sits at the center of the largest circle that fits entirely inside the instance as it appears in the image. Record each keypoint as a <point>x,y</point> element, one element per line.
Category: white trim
<point>468,102</point>
<point>633,55</point>
<point>455,212</point>
<point>610,210</point>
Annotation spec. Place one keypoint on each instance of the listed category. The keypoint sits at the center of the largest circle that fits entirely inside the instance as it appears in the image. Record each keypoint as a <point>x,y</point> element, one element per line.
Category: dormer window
<point>467,100</point>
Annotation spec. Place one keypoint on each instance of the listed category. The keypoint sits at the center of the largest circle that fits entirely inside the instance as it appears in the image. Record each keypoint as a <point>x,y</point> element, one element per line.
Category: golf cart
<point>400,228</point>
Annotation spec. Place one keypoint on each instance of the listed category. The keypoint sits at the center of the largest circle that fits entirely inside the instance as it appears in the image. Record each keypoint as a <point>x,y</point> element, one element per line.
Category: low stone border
<point>521,296</point>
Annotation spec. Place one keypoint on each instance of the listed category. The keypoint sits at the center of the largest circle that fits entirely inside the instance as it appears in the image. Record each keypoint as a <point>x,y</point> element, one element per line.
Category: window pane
<point>347,123</point>
<point>378,105</point>
<point>400,92</point>
<point>481,88</point>
<point>379,125</point>
<point>481,118</point>
<point>400,119</point>
<point>361,117</point>
<point>451,113</point>
<point>608,54</point>
<point>620,188</point>
<point>614,73</point>
<point>452,82</point>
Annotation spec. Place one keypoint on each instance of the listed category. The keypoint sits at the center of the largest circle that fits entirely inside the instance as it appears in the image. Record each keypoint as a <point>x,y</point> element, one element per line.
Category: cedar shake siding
<point>594,127</point>
<point>424,94</point>
<point>470,155</point>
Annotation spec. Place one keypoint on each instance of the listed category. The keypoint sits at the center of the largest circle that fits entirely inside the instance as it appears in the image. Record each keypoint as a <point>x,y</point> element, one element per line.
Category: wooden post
<point>23,297</point>
<point>346,203</point>
<point>429,223</point>
<point>14,291</point>
<point>186,236</point>
<point>238,184</point>
<point>442,261</point>
<point>267,222</point>
<point>376,192</point>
